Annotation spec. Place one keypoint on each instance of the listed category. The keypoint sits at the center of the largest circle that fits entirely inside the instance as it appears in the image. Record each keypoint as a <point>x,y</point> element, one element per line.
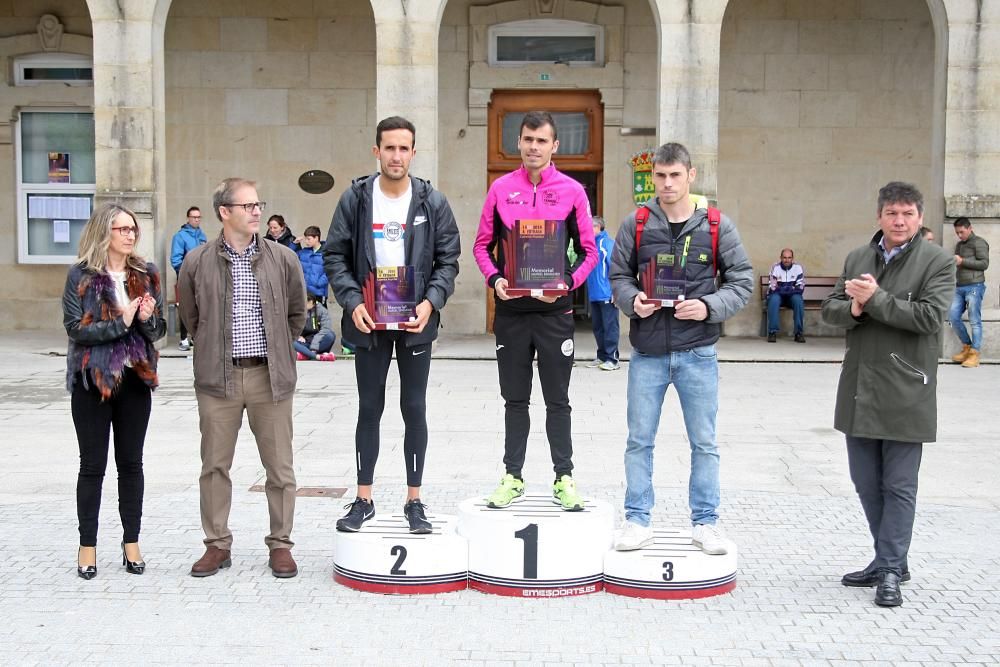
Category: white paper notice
<point>74,208</point>
<point>60,231</point>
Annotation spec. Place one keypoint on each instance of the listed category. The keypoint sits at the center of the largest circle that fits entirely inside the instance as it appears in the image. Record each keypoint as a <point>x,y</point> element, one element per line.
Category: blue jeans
<point>774,303</point>
<point>604,317</point>
<point>322,342</point>
<point>968,297</point>
<point>695,375</point>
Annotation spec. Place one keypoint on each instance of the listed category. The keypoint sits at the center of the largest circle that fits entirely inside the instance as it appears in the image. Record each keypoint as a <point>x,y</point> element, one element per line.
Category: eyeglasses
<point>194,217</point>
<point>127,230</point>
<point>250,206</point>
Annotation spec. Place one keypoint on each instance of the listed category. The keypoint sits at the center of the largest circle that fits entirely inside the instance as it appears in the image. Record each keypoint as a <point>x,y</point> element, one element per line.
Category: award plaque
<point>663,278</point>
<point>535,258</point>
<point>390,297</point>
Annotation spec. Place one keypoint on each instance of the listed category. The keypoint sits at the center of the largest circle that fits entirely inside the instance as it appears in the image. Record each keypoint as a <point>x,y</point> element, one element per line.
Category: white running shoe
<point>632,536</point>
<point>609,366</point>
<point>594,363</point>
<point>709,539</point>
<point>184,345</point>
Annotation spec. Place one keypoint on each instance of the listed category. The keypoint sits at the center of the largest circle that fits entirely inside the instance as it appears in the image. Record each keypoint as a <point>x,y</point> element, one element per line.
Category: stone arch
<point>821,104</point>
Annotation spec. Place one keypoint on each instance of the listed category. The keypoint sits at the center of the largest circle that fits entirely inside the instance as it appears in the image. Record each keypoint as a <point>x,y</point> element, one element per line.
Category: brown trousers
<point>271,422</point>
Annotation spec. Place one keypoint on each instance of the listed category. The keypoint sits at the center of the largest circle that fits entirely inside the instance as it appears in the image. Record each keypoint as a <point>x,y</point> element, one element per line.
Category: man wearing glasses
<point>244,303</point>
<point>187,238</point>
<point>785,287</point>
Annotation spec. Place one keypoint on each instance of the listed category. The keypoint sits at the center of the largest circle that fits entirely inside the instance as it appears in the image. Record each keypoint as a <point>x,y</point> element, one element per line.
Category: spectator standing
<point>186,239</point>
<point>972,256</point>
<point>603,313</point>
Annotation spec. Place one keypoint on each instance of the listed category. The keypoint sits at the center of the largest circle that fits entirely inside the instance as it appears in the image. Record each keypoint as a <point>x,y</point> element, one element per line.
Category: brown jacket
<point>206,306</point>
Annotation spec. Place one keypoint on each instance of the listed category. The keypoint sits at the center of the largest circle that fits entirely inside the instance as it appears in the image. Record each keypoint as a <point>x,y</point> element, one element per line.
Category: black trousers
<point>127,412</point>
<point>884,473</point>
<point>372,368</point>
<point>519,337</point>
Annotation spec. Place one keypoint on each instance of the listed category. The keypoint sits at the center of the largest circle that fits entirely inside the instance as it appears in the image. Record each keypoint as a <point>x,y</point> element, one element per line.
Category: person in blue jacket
<point>187,238</point>
<point>603,313</point>
<point>311,256</point>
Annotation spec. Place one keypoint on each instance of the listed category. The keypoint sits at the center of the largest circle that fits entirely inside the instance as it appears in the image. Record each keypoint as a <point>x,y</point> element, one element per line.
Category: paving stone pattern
<point>787,502</point>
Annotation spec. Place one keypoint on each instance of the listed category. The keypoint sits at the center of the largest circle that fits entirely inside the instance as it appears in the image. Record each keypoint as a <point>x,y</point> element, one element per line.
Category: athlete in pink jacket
<point>544,325</point>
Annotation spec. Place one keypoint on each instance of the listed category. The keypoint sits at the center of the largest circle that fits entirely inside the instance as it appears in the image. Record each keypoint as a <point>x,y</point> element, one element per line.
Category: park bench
<point>817,289</point>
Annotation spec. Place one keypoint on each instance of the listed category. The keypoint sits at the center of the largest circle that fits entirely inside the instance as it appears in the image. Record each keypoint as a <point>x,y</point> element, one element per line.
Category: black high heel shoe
<point>87,572</point>
<point>132,567</point>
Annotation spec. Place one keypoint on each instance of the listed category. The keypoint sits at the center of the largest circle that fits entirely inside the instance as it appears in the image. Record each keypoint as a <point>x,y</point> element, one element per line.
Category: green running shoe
<point>564,494</point>
<point>511,490</point>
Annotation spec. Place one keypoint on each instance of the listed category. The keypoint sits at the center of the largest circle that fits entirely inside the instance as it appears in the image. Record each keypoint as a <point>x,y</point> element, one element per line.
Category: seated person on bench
<point>785,287</point>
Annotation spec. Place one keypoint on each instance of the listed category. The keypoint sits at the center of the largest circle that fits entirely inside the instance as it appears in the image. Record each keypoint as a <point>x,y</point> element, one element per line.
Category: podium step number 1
<point>535,549</point>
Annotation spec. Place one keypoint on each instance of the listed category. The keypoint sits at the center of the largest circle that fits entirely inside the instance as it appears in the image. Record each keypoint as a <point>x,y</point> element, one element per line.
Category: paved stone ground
<point>787,502</point>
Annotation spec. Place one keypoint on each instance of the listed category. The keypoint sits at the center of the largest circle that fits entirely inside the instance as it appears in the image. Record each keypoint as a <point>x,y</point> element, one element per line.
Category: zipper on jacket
<point>534,193</point>
<point>913,369</point>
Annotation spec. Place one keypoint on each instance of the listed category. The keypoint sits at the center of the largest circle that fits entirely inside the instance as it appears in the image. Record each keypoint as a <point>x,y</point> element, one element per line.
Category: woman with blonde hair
<point>113,313</point>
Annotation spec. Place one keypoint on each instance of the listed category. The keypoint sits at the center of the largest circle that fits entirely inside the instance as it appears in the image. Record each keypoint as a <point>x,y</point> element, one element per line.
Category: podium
<point>535,549</point>
<point>383,557</point>
<point>671,568</point>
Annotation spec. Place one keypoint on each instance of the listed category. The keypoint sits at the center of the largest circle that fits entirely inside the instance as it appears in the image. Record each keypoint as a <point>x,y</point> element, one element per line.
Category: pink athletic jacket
<point>556,197</point>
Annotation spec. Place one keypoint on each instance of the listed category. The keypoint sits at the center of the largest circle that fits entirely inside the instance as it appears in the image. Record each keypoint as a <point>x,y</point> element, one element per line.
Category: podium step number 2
<point>534,548</point>
<point>383,557</point>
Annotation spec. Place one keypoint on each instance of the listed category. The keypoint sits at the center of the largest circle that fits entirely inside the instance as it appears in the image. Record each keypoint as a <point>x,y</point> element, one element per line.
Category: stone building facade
<point>796,111</point>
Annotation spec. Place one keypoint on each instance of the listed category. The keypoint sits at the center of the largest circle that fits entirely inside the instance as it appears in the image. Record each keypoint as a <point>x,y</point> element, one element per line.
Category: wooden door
<point>579,117</point>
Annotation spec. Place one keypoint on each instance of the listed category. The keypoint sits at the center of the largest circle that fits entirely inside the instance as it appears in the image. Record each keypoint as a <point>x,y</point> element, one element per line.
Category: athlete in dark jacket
<point>391,219</point>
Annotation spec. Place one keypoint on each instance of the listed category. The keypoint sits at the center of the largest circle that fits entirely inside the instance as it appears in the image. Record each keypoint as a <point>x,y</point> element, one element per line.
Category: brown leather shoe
<point>282,564</point>
<point>210,563</point>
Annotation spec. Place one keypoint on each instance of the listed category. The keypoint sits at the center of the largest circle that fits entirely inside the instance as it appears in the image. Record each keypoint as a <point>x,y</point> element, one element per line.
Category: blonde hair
<point>96,238</point>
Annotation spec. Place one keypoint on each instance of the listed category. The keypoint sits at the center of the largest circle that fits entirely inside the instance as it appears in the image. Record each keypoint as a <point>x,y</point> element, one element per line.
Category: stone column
<point>125,112</point>
<point>689,35</point>
<point>406,37</point>
<point>972,134</point>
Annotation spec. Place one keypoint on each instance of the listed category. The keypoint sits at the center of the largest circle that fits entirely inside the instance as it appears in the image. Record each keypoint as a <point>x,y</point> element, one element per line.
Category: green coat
<point>888,382</point>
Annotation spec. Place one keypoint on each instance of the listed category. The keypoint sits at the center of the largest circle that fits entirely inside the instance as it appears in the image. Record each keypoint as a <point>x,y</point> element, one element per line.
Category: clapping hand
<point>147,306</point>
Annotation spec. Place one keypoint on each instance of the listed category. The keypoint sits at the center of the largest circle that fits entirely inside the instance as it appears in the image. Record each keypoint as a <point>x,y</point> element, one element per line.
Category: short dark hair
<point>536,119</point>
<point>671,153</point>
<point>315,298</point>
<point>394,123</point>
<point>963,222</point>
<point>925,231</point>
<point>280,218</point>
<point>898,192</point>
<point>193,208</point>
<point>311,230</point>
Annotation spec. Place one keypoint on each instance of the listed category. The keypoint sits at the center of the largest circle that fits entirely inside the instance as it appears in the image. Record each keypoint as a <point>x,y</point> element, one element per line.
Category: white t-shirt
<point>120,291</point>
<point>389,225</point>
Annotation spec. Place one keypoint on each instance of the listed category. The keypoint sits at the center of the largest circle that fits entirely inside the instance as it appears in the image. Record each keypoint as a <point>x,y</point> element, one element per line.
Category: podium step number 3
<point>535,549</point>
<point>671,568</point>
<point>383,557</point>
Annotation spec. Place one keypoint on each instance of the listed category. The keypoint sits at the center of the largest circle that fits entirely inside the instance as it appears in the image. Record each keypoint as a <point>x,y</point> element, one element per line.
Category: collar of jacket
<point>365,186</point>
<point>544,175</point>
<point>262,247</point>
<point>914,240</point>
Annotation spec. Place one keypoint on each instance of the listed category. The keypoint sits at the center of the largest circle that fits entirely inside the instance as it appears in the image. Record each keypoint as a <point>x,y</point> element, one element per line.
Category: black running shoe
<point>413,510</point>
<point>359,511</point>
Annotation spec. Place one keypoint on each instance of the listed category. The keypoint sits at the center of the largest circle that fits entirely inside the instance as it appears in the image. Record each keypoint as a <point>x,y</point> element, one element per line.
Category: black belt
<point>249,362</point>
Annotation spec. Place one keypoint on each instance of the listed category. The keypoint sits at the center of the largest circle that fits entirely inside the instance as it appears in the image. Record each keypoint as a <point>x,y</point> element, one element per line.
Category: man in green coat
<point>891,298</point>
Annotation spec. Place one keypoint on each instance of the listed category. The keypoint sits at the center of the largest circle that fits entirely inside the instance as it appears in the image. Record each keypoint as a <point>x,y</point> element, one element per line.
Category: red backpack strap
<point>641,216</point>
<point>714,218</point>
